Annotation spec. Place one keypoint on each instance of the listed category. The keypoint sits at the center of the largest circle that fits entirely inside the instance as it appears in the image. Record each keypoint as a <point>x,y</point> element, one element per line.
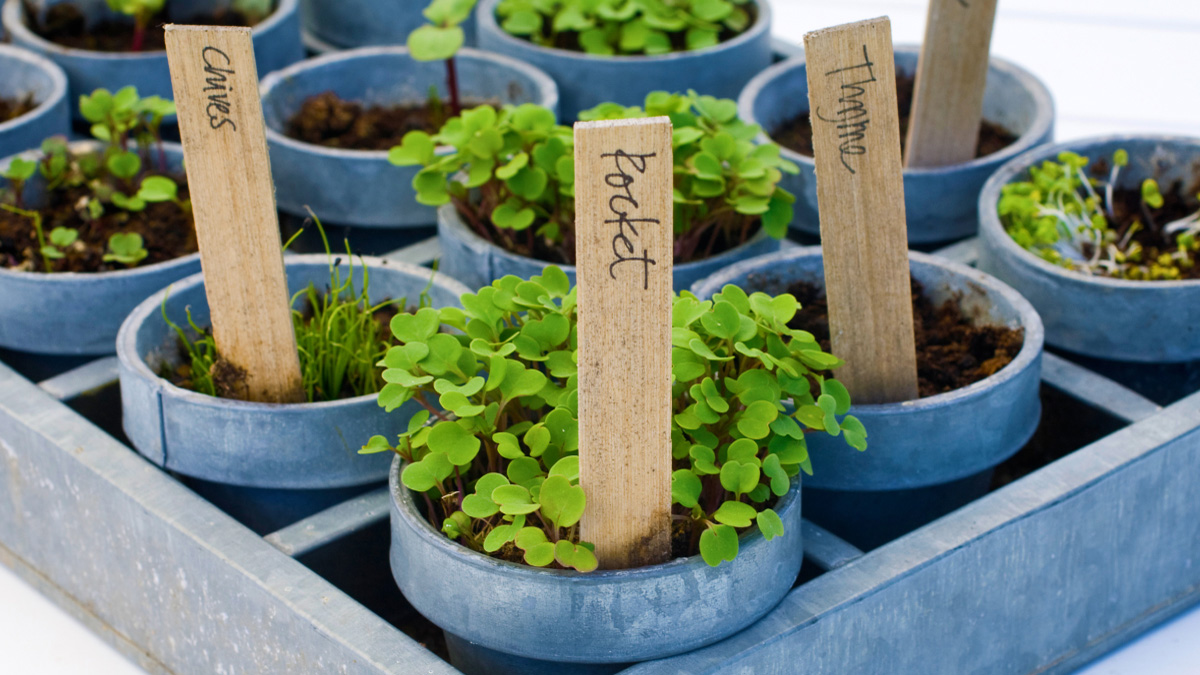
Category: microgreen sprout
<point>126,248</point>
<point>520,164</point>
<point>494,452</point>
<point>36,218</point>
<point>142,12</point>
<point>440,40</point>
<point>607,27</point>
<point>17,173</point>
<point>254,10</point>
<point>1070,220</point>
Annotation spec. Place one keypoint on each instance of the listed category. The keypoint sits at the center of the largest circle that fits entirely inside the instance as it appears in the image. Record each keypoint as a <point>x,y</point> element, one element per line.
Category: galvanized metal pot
<point>477,262</point>
<point>348,24</point>
<point>940,203</point>
<point>542,620</point>
<point>23,73</point>
<point>587,80</point>
<point>77,313</point>
<point>934,442</point>
<point>360,187</point>
<point>276,44</point>
<point>286,447</point>
<point>1139,321</point>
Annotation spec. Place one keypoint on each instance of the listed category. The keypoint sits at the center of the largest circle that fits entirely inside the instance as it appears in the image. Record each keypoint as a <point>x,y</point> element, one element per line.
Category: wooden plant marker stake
<point>947,105</point>
<point>623,254</point>
<point>860,196</point>
<point>233,202</point>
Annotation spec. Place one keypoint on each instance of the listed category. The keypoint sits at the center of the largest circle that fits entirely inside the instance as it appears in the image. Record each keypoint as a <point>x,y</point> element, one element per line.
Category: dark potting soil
<point>1127,209</point>
<point>952,352</point>
<point>12,108</point>
<point>167,233</point>
<point>326,119</point>
<point>66,25</point>
<point>796,133</point>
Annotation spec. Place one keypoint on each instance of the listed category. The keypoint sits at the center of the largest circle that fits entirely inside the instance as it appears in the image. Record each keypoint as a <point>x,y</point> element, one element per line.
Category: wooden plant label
<point>233,202</point>
<point>623,254</point>
<point>947,106</point>
<point>860,196</point>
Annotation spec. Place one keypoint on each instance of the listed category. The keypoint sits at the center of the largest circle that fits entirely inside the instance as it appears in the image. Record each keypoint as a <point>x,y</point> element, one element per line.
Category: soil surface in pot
<point>12,108</point>
<point>952,352</point>
<point>326,119</point>
<point>167,233</point>
<point>66,25</point>
<point>796,133</point>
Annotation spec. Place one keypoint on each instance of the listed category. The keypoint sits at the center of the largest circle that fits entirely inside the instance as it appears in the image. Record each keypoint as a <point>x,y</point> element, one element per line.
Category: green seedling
<point>440,40</point>
<point>126,248</point>
<point>18,171</point>
<point>142,12</point>
<point>254,10</point>
<point>61,238</point>
<point>1068,219</point>
<point>36,219</point>
<point>625,27</point>
<point>338,335</point>
<point>494,452</point>
<point>520,164</point>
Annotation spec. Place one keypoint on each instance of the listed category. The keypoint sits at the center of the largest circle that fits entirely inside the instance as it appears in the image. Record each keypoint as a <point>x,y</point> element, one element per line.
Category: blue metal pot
<point>1139,321</point>
<point>585,80</point>
<point>276,44</point>
<point>76,313</point>
<point>928,442</point>
<point>477,262</point>
<point>360,187</point>
<point>544,620</point>
<point>23,73</point>
<point>940,203</point>
<point>258,445</point>
<point>347,24</point>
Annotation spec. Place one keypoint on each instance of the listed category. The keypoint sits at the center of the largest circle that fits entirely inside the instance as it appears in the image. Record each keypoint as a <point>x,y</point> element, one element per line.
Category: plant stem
<point>139,34</point>
<point>452,86</point>
<point>37,228</point>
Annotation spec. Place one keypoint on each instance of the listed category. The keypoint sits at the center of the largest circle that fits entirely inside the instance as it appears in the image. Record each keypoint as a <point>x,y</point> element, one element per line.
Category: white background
<point>1112,66</point>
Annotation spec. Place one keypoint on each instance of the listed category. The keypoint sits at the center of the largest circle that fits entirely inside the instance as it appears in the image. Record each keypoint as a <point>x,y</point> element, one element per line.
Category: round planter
<point>78,313</point>
<point>585,80</point>
<point>276,44</point>
<point>1139,321</point>
<point>940,203</point>
<point>936,441</point>
<point>248,444</point>
<point>360,187</point>
<point>477,262</point>
<point>603,617</point>
<point>23,73</point>
<point>347,24</point>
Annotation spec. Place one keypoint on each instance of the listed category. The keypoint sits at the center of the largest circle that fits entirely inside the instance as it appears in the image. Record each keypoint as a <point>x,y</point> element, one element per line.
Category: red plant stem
<point>452,86</point>
<point>459,484</point>
<point>432,514</point>
<point>139,35</point>
<point>162,154</point>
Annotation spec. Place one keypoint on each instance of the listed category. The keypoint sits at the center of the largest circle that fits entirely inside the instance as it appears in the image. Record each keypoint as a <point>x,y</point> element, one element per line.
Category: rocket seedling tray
<point>1066,562</point>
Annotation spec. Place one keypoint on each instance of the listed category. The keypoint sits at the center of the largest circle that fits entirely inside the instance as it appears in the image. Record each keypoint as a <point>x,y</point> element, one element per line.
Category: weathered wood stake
<point>860,196</point>
<point>623,253</point>
<point>947,106</point>
<point>233,201</point>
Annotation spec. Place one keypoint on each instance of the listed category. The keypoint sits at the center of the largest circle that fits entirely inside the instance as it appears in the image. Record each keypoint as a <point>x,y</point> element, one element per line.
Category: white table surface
<point>1112,66</point>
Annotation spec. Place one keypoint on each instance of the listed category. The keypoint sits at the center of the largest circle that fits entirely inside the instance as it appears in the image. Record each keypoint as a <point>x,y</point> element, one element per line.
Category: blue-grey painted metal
<point>360,187</point>
<point>586,80</point>
<point>276,44</point>
<point>609,616</point>
<point>347,24</point>
<point>1142,321</point>
<point>932,440</point>
<point>249,444</point>
<point>940,203</point>
<point>477,262</point>
<point>171,581</point>
<point>78,312</point>
<point>23,73</point>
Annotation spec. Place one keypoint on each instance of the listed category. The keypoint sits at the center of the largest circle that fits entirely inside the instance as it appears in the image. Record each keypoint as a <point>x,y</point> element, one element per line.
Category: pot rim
<point>545,85</point>
<point>13,16</point>
<point>989,220</point>
<point>79,277</point>
<point>473,239</point>
<point>403,503</point>
<point>58,84</point>
<point>1030,321</point>
<point>486,17</point>
<point>128,355</point>
<point>1043,118</point>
